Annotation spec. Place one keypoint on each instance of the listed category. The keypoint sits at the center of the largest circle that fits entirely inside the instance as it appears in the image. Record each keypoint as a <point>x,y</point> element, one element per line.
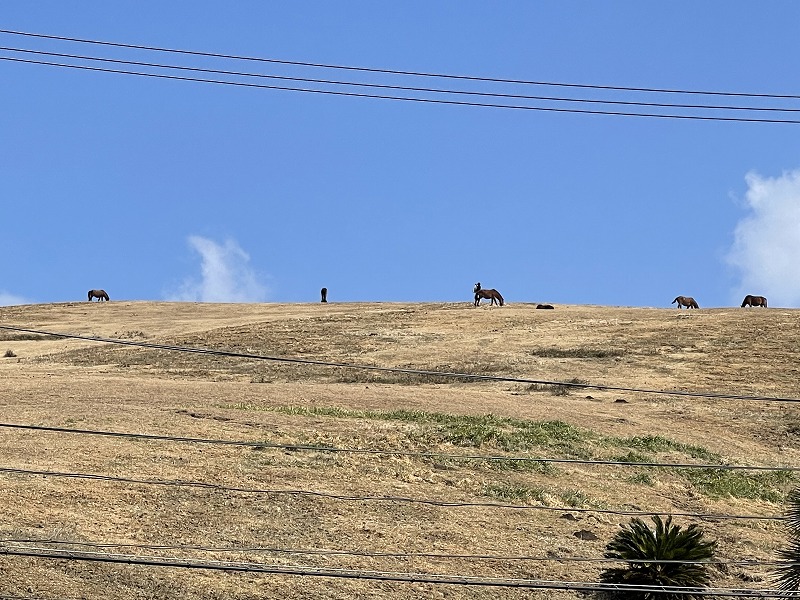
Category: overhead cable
<point>401,87</point>
<point>389,576</point>
<point>420,372</point>
<point>377,498</point>
<point>403,555</point>
<point>406,98</point>
<point>381,452</point>
<point>396,72</point>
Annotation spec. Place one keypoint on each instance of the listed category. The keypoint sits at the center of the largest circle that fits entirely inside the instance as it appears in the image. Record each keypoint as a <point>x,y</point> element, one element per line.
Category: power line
<point>421,372</point>
<point>399,72</point>
<point>375,498</point>
<point>363,451</point>
<point>430,578</point>
<point>403,88</point>
<point>404,555</point>
<point>405,98</point>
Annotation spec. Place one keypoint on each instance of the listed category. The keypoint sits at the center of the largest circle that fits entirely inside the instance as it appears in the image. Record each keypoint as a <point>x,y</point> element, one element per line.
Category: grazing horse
<point>686,301</point>
<point>324,293</point>
<point>754,301</point>
<point>492,295</point>
<point>99,294</point>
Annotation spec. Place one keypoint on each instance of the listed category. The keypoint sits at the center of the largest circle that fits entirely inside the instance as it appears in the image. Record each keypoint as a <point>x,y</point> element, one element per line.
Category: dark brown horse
<point>324,294</point>
<point>545,306</point>
<point>99,294</point>
<point>686,301</point>
<point>492,295</point>
<point>754,301</point>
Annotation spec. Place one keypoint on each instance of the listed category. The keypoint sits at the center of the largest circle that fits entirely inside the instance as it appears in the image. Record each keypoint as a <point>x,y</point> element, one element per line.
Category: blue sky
<point>160,189</point>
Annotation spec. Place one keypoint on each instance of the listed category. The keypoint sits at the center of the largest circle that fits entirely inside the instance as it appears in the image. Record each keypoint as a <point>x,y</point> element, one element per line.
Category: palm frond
<point>638,542</point>
<point>787,576</point>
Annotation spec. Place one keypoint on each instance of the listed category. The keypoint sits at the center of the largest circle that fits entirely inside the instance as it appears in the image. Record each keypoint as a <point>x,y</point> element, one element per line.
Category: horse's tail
<point>89,295</point>
<point>764,303</point>
<point>674,301</point>
<point>500,299</point>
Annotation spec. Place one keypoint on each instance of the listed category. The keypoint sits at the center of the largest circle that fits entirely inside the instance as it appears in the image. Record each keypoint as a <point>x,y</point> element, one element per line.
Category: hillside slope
<point>282,503</point>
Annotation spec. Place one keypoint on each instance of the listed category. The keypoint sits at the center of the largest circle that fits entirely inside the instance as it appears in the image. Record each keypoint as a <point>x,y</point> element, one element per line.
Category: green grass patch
<point>772,486</point>
<point>522,494</point>
<point>6,336</point>
<point>632,456</point>
<point>521,466</point>
<point>555,439</point>
<point>470,431</point>
<point>591,353</point>
<point>657,443</point>
<point>642,479</point>
<point>577,499</point>
<point>503,433</point>
<point>458,373</point>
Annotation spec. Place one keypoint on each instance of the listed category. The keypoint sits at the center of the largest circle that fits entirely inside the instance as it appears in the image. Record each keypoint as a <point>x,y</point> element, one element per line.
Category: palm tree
<point>638,543</point>
<point>788,575</point>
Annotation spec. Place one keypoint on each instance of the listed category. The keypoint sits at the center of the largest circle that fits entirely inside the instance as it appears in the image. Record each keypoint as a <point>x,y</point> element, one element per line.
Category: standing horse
<point>686,301</point>
<point>492,295</point>
<point>754,301</point>
<point>99,294</point>
<point>324,294</point>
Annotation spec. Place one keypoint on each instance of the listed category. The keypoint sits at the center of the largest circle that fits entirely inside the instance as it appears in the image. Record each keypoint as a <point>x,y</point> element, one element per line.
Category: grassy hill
<point>384,471</point>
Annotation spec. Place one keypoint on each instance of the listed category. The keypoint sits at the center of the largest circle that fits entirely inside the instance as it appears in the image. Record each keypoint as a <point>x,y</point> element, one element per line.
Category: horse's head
<point>477,288</point>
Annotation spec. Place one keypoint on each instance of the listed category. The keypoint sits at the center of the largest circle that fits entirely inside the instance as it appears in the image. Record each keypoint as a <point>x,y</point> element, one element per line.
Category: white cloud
<point>7,299</point>
<point>766,247</point>
<point>225,275</point>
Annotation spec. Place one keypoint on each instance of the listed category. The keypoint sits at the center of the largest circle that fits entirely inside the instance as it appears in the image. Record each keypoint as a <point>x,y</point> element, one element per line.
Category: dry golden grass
<point>58,382</point>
